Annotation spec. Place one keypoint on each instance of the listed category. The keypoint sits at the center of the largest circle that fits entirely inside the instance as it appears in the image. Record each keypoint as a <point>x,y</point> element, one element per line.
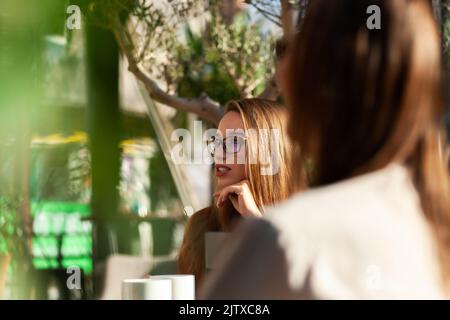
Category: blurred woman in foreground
<point>366,107</point>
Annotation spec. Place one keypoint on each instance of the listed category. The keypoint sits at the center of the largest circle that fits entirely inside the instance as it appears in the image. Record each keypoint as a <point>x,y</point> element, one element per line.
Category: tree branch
<point>289,16</point>
<point>203,106</point>
<point>271,16</point>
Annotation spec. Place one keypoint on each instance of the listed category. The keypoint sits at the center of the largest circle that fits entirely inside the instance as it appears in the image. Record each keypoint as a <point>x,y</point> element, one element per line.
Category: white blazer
<point>363,238</point>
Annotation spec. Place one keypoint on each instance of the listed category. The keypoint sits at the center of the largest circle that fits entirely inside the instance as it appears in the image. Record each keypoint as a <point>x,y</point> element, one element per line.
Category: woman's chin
<point>223,182</point>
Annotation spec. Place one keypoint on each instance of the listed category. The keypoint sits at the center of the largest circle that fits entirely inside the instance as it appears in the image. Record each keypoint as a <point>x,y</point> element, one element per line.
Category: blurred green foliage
<point>10,228</point>
<point>202,72</point>
<point>226,61</point>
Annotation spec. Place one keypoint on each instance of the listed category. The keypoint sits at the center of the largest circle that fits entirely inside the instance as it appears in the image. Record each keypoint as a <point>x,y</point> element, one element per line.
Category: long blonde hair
<point>267,189</point>
<point>267,119</point>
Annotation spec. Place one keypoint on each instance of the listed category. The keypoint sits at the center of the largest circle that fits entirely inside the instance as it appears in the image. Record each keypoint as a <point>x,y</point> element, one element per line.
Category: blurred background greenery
<point>83,173</point>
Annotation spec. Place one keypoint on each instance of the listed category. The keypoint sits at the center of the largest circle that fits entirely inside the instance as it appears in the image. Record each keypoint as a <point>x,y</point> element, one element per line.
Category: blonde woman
<point>253,169</point>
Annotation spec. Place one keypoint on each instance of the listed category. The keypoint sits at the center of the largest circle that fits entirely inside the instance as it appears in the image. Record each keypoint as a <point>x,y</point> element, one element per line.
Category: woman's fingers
<point>235,202</point>
<point>237,189</point>
<point>241,197</point>
<point>226,192</point>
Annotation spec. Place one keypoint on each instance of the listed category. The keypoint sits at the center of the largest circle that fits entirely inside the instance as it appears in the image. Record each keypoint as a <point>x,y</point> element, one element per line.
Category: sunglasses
<point>229,145</point>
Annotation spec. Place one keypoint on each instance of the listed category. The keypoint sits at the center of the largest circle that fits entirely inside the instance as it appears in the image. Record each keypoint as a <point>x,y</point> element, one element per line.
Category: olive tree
<point>148,34</point>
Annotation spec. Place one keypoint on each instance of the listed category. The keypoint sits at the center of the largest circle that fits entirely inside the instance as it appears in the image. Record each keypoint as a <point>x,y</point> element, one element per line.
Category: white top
<point>364,238</point>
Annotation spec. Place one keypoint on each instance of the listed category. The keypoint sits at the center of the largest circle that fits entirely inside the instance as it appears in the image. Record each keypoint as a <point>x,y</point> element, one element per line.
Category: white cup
<point>147,289</point>
<point>183,285</point>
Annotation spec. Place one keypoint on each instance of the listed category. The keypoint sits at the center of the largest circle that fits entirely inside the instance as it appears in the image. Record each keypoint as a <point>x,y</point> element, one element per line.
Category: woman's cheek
<point>239,170</point>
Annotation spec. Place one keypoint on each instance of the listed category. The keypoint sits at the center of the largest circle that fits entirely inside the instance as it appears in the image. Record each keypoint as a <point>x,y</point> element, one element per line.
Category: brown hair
<point>266,189</point>
<point>361,99</point>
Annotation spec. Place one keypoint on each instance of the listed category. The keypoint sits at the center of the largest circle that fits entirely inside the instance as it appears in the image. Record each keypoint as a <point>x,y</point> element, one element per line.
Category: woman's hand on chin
<point>241,197</point>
